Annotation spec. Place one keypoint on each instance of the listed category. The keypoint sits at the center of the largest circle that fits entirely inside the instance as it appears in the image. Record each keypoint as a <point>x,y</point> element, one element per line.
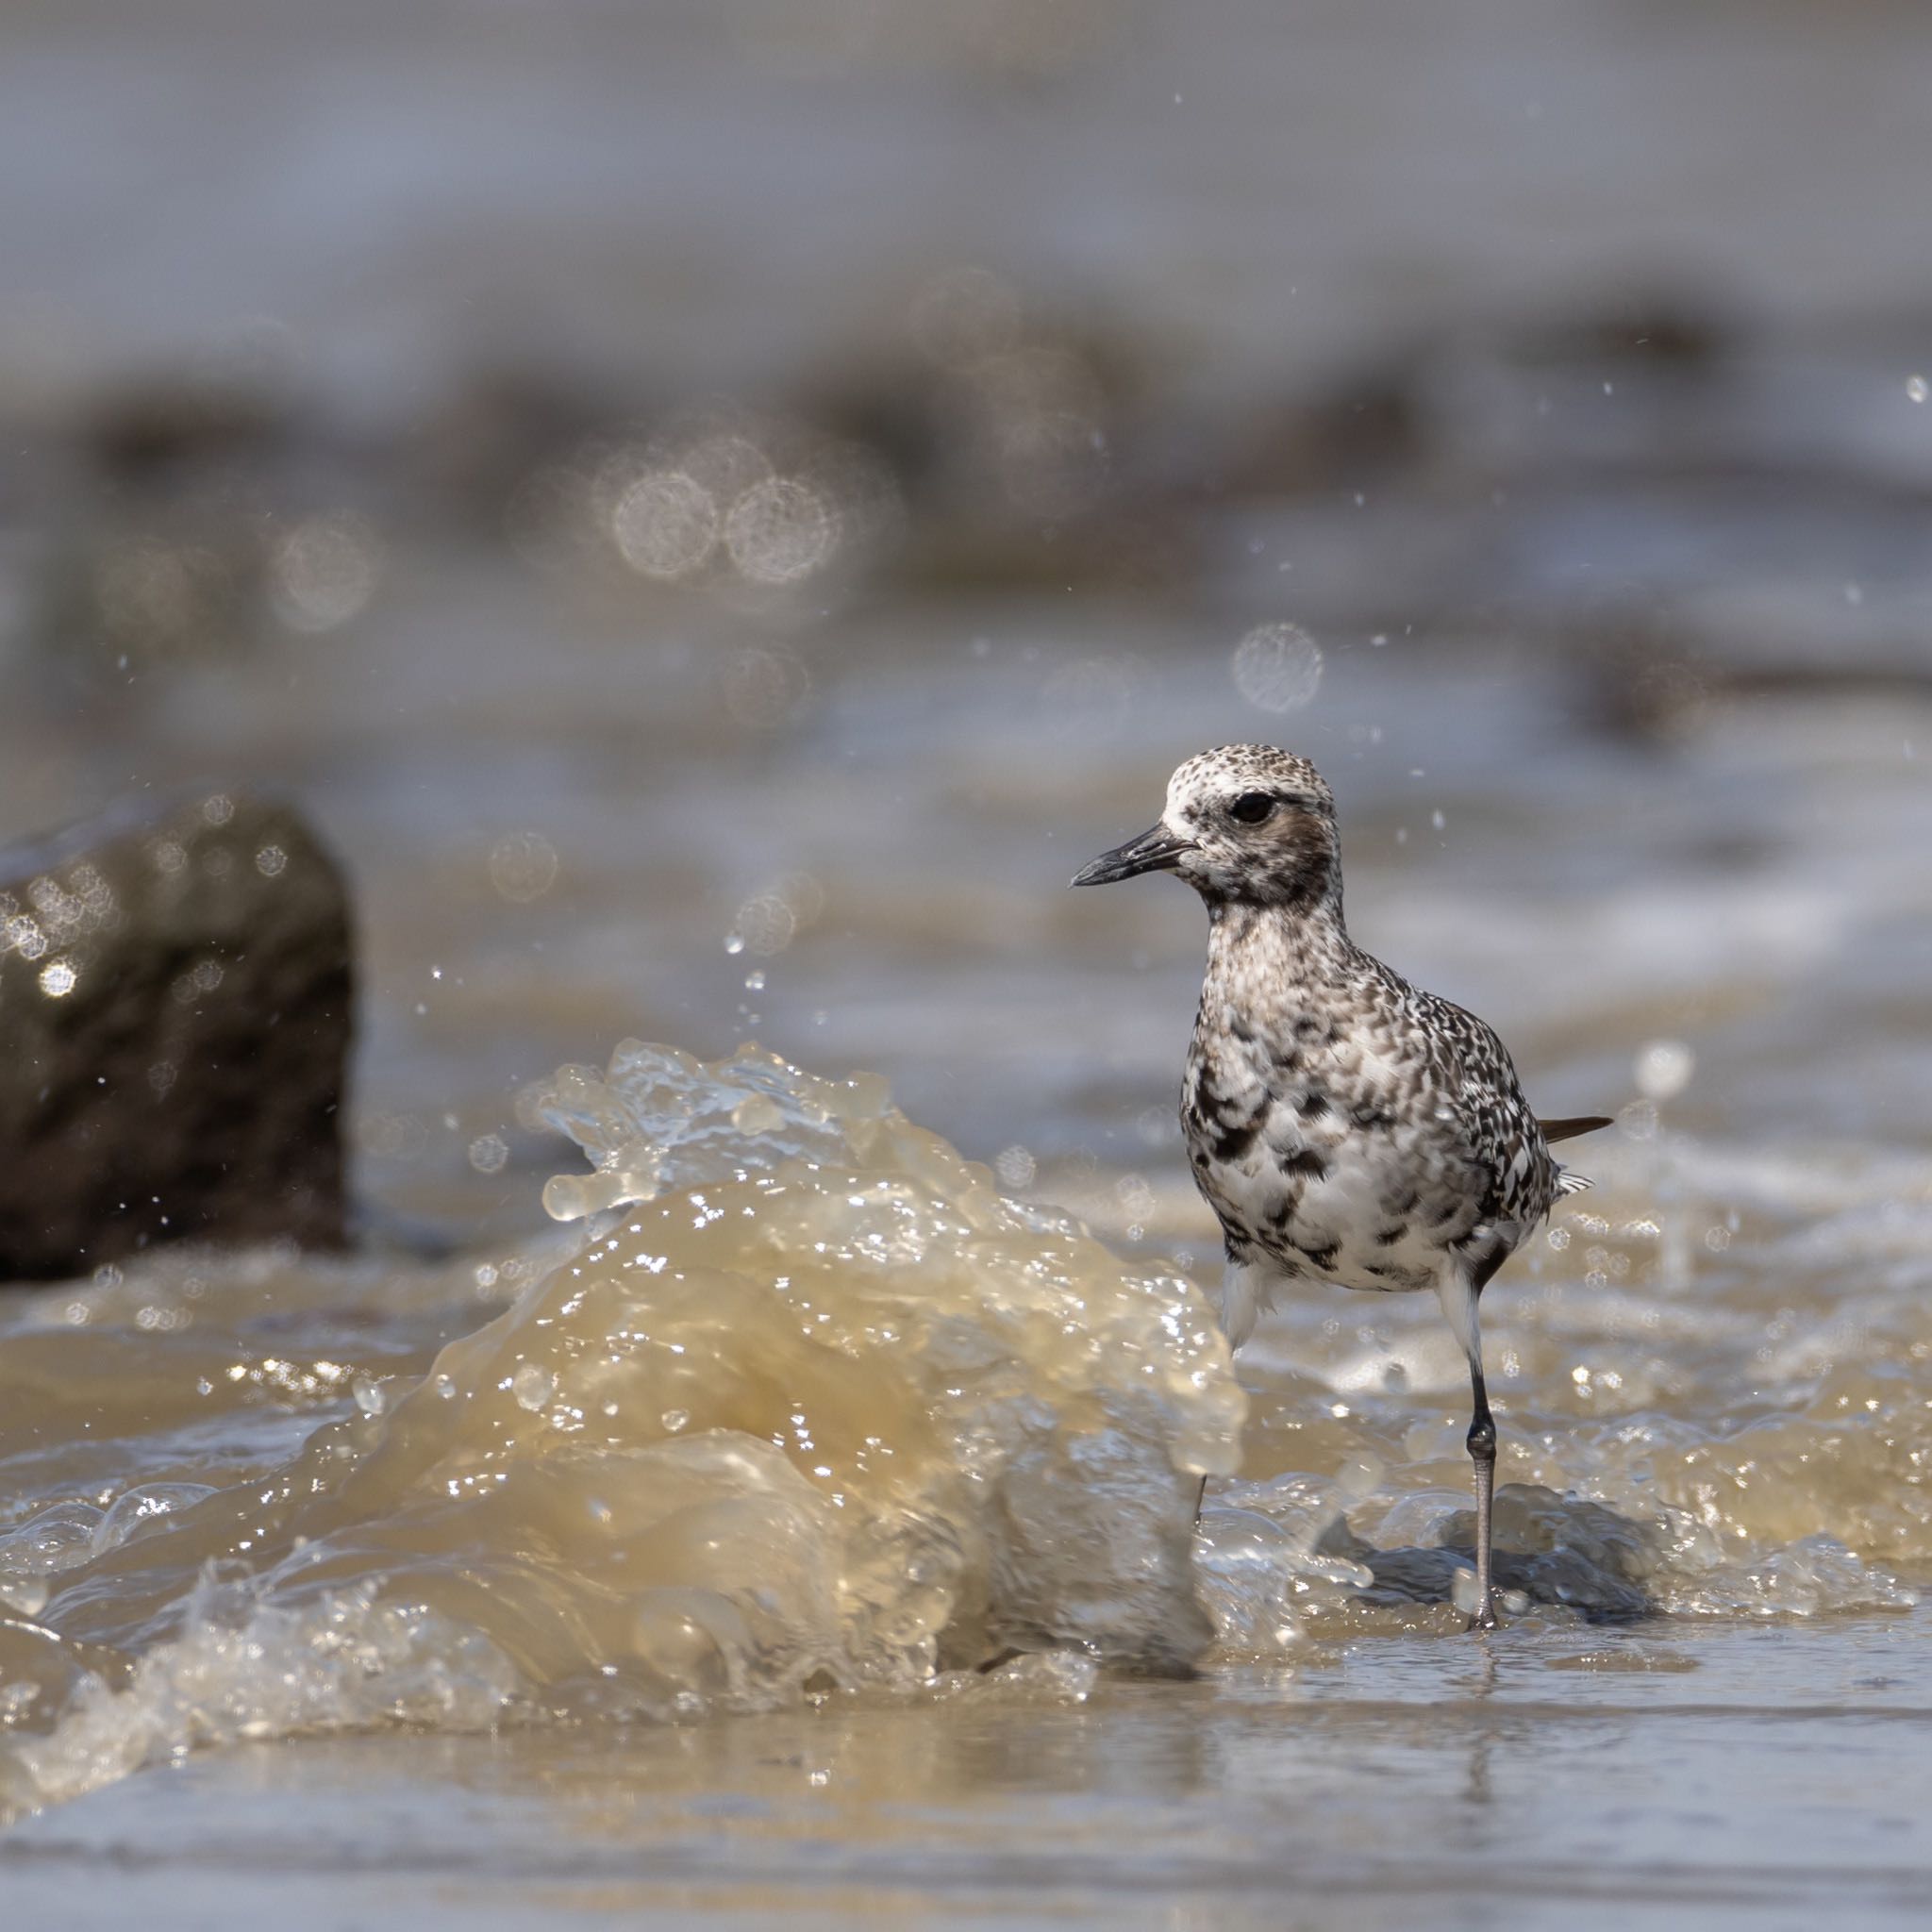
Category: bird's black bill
<point>1155,851</point>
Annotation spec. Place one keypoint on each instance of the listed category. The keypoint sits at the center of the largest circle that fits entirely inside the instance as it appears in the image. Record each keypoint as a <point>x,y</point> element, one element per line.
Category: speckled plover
<point>1344,1125</point>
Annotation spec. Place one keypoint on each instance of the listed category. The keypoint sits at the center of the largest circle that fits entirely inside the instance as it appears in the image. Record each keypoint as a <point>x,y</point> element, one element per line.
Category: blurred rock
<point>147,432</point>
<point>1666,678</point>
<point>494,429</point>
<point>1682,325</point>
<point>177,990</point>
<point>190,515</point>
<point>1029,449</point>
<point>1645,682</point>
<point>1364,425</point>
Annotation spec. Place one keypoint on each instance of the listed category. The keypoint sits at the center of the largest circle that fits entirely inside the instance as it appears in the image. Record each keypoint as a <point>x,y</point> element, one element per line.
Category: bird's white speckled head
<point>1259,824</point>
<point>1245,824</point>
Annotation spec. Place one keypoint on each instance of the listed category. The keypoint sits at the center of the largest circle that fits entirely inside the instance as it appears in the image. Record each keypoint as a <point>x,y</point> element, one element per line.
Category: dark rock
<point>1685,326</point>
<point>1559,1550</point>
<point>176,999</point>
<point>482,444</point>
<point>147,432</point>
<point>1364,425</point>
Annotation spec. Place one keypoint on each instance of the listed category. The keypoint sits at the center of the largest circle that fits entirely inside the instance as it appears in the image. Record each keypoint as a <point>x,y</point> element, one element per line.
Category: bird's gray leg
<point>1240,1305</point>
<point>1459,1290</point>
<point>1482,1452</point>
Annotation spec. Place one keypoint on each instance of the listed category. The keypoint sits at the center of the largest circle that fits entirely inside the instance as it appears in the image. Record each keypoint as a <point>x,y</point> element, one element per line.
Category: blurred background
<point>717,509</point>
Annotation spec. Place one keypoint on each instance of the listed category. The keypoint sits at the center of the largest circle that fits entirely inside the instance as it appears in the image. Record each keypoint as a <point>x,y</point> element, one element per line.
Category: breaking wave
<point>809,1406</point>
<point>803,1406</point>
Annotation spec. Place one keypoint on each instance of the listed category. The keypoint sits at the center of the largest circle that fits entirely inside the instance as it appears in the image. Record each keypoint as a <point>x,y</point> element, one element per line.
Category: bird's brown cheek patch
<point>1302,841</point>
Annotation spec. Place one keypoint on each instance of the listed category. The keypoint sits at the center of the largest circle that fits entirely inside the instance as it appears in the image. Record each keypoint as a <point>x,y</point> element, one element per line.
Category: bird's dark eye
<point>1250,807</point>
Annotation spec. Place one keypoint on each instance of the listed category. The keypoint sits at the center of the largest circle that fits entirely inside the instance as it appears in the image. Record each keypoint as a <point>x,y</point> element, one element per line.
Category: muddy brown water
<point>638,1565</point>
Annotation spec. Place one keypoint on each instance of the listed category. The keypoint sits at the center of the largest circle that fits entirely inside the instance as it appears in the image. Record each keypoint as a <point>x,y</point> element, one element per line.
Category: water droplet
<point>489,1152</point>
<point>780,530</point>
<point>734,942</point>
<point>765,924</point>
<point>533,1384</point>
<point>523,866</point>
<point>570,1196</point>
<point>1015,1166</point>
<point>765,686</point>
<point>323,572</point>
<point>371,1397</point>
<point>57,978</point>
<point>1917,388</point>
<point>754,981</point>
<point>1277,667</point>
<point>666,523</point>
<point>1664,1069</point>
<point>674,1418</point>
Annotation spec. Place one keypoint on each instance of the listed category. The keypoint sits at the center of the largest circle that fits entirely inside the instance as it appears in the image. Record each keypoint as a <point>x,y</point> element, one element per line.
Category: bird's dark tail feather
<point>1568,1130</point>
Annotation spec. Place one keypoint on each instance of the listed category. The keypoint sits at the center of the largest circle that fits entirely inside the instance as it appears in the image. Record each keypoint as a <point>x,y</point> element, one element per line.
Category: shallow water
<point>1720,1775</point>
<point>806,1409</point>
<point>1711,1377</point>
<point>634,1565</point>
<point>1711,1374</point>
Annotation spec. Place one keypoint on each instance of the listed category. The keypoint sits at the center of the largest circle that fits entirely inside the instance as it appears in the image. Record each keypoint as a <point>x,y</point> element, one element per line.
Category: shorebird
<point>1344,1125</point>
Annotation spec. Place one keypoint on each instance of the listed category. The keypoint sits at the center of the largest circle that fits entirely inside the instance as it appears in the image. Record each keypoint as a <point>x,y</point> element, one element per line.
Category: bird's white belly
<point>1340,1225</point>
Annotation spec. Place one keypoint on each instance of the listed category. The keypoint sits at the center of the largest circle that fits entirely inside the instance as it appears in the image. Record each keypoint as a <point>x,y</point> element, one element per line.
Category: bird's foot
<point>1485,1619</point>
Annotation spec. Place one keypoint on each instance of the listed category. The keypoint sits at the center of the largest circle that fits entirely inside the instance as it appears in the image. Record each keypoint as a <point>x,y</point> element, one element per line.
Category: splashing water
<point>819,1408</point>
<point>802,1405</point>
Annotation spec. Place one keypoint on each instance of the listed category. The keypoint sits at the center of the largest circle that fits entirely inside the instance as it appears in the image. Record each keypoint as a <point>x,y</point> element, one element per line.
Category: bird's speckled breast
<point>1335,1116</point>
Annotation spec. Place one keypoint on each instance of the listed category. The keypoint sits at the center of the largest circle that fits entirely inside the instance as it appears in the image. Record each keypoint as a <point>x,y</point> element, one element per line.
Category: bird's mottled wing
<point>1481,1087</point>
